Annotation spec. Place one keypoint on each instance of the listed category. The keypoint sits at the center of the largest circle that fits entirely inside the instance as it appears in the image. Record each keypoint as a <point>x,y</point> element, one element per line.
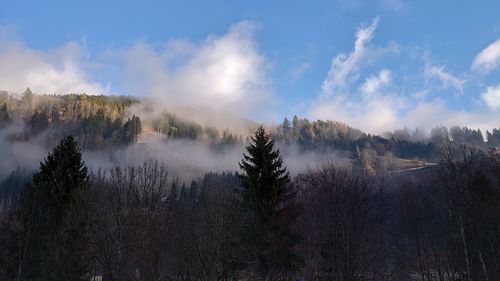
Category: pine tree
<point>135,128</point>
<point>59,238</point>
<point>4,115</point>
<point>264,176</point>
<point>286,125</point>
<point>27,103</point>
<point>39,122</point>
<point>295,121</point>
<point>11,186</point>
<point>267,195</point>
<point>62,173</point>
<point>131,130</point>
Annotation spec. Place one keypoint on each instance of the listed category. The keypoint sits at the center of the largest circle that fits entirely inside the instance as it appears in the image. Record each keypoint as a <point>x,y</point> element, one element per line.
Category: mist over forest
<point>249,140</point>
<point>121,131</point>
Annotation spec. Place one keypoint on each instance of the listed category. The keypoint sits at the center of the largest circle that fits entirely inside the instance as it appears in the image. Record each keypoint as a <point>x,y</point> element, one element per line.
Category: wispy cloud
<point>488,59</point>
<point>374,83</point>
<point>345,66</point>
<point>369,106</point>
<point>298,70</point>
<point>447,79</point>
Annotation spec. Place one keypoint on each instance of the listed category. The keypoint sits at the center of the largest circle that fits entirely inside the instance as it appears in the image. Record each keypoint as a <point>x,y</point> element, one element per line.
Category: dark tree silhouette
<point>52,211</point>
<point>264,177</point>
<point>267,195</point>
<point>4,115</point>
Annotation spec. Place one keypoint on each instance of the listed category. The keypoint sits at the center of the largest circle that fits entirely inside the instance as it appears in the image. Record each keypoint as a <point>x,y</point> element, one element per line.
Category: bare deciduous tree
<point>342,224</point>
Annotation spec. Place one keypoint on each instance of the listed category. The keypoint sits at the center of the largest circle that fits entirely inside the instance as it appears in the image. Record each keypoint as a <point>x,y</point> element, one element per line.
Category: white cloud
<point>372,108</point>
<point>420,94</point>
<point>344,67</point>
<point>373,115</point>
<point>225,73</point>
<point>61,70</point>
<point>488,59</point>
<point>436,112</point>
<point>492,97</point>
<point>428,114</point>
<point>374,83</point>
<point>447,79</point>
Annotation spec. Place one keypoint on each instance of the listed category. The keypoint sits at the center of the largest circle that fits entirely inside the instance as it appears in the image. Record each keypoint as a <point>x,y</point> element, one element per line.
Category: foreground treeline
<point>450,218</point>
<point>332,223</point>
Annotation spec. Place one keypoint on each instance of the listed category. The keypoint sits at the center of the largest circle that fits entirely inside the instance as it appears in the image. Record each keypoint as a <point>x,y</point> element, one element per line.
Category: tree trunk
<point>483,266</point>
<point>464,243</point>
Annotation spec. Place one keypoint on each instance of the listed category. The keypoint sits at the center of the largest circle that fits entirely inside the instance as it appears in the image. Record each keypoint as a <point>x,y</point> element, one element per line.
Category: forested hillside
<point>109,125</point>
<point>98,122</point>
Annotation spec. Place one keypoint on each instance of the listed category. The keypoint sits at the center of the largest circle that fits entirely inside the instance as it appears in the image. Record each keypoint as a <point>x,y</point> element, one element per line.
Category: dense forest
<point>404,205</point>
<point>98,122</point>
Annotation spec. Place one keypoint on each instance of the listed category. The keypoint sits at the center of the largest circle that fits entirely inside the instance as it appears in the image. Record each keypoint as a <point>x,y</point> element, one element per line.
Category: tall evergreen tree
<point>58,238</point>
<point>131,130</point>
<point>39,122</point>
<point>267,195</point>
<point>11,186</point>
<point>4,115</point>
<point>286,126</point>
<point>135,128</point>
<point>27,103</point>
<point>264,177</point>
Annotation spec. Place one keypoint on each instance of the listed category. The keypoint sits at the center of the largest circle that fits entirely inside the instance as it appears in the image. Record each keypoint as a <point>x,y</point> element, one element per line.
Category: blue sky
<point>378,65</point>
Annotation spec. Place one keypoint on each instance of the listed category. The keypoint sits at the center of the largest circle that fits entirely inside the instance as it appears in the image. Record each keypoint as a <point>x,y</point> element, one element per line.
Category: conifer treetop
<point>264,176</point>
